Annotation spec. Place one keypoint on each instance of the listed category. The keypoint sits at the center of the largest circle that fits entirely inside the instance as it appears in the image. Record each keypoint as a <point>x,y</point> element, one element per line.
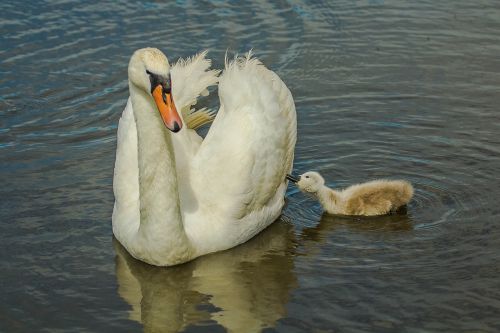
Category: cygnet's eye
<point>307,176</point>
<point>148,72</point>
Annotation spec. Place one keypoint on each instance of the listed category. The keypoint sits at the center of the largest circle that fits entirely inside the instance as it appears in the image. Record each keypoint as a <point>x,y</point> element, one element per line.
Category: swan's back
<point>377,197</point>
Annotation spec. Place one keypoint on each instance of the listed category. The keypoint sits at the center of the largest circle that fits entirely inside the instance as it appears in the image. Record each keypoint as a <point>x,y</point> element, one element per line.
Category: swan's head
<point>310,182</point>
<point>149,70</point>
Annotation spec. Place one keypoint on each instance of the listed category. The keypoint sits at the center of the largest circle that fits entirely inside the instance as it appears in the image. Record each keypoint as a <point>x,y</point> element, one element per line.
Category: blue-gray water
<point>383,88</point>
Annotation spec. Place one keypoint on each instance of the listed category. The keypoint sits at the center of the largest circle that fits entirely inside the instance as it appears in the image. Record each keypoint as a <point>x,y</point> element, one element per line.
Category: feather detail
<point>197,118</point>
<point>190,78</point>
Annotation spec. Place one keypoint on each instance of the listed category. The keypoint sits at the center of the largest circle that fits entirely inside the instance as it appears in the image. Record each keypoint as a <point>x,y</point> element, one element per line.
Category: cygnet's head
<point>149,70</point>
<point>310,182</point>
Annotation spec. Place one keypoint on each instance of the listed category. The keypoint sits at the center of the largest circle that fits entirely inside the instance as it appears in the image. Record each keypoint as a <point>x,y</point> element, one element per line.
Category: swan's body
<point>178,196</point>
<point>377,197</point>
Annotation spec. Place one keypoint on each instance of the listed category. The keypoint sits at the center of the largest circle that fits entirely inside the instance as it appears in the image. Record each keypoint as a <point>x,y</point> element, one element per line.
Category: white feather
<point>190,78</point>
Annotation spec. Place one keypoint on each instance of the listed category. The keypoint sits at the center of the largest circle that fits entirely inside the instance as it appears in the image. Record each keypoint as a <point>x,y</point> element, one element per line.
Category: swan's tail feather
<point>197,118</point>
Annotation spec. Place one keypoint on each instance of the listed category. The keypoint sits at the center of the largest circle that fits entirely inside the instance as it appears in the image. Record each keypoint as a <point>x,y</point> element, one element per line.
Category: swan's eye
<point>148,72</point>
<point>307,176</point>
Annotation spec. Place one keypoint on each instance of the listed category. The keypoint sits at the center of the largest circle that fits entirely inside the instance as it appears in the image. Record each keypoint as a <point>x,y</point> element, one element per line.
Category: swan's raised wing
<point>249,148</point>
<point>190,78</point>
<point>126,177</point>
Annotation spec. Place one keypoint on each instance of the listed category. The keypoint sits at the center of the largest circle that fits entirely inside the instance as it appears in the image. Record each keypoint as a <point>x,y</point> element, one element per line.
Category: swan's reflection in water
<point>243,289</point>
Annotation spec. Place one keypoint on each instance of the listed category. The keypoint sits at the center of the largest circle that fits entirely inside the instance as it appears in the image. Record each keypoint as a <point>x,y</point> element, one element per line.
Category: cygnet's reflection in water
<point>311,239</point>
<point>243,289</point>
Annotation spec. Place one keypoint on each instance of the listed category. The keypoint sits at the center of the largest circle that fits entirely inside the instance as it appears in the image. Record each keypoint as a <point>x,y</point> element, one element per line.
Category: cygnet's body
<point>377,197</point>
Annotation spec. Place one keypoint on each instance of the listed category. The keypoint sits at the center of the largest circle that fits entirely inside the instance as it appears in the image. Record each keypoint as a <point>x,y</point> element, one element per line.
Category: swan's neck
<point>328,198</point>
<point>160,217</point>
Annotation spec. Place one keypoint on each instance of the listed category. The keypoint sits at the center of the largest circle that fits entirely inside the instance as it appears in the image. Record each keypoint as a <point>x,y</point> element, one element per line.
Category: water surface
<point>383,88</point>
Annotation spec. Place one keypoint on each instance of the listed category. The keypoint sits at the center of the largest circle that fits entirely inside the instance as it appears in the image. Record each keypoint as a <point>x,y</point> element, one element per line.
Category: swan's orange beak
<point>167,109</point>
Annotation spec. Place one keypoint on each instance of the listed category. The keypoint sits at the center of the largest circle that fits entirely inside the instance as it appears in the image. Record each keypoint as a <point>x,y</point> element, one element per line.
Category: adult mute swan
<point>178,196</point>
<point>376,197</point>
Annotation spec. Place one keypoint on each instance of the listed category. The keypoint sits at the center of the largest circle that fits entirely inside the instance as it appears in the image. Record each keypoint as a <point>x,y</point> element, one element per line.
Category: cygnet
<point>377,197</point>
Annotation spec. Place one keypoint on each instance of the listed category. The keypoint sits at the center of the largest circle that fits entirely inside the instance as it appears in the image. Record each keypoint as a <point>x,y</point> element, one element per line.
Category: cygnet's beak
<point>292,178</point>
<point>162,94</point>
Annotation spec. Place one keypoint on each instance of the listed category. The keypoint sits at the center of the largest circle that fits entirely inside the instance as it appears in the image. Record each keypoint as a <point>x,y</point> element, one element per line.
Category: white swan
<point>178,196</point>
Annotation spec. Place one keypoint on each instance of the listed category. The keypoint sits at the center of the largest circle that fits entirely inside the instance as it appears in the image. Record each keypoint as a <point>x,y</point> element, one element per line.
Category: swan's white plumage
<point>228,187</point>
